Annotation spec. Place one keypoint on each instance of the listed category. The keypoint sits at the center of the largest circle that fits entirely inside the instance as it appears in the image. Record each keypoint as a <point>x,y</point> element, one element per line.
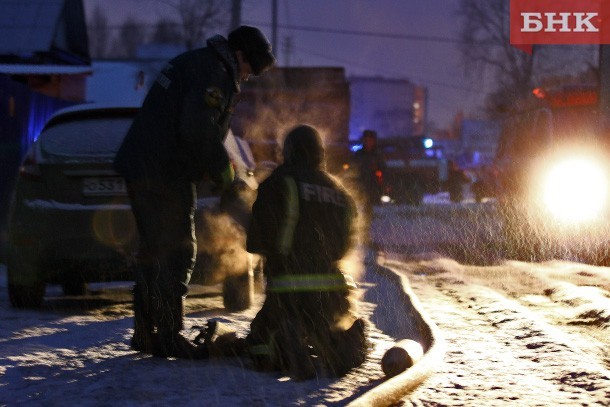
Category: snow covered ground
<point>75,351</point>
<point>515,333</point>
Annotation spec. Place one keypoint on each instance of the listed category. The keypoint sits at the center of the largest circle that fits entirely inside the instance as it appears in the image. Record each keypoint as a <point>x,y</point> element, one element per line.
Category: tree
<point>485,36</point>
<point>198,18</point>
<point>131,35</point>
<point>97,31</point>
<point>166,32</point>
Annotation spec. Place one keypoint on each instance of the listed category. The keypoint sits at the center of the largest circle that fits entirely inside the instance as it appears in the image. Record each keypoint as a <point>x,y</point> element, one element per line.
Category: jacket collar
<point>220,44</point>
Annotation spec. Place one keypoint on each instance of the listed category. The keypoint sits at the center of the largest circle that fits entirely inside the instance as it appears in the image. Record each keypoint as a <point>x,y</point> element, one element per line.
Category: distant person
<point>456,179</point>
<point>175,142</point>
<point>483,185</point>
<point>303,224</point>
<point>370,168</point>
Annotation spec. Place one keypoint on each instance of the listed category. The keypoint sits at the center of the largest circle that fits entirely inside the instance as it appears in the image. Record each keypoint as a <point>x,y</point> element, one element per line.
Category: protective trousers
<point>291,328</point>
<point>166,257</point>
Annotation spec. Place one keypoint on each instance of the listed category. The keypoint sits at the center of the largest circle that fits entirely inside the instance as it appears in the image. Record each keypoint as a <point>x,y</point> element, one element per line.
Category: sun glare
<point>575,190</point>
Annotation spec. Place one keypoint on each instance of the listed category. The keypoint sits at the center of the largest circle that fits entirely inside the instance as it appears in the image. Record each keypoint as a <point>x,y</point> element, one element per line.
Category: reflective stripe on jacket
<point>310,282</point>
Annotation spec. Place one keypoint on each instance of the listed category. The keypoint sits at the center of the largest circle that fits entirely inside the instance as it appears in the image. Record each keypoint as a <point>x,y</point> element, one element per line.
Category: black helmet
<point>369,133</point>
<point>304,146</point>
<point>255,46</point>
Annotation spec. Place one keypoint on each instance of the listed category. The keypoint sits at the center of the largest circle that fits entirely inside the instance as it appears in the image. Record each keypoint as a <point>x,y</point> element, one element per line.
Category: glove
<point>222,180</point>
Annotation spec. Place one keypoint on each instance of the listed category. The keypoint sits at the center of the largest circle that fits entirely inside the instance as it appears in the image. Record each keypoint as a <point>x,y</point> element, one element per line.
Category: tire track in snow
<point>499,352</point>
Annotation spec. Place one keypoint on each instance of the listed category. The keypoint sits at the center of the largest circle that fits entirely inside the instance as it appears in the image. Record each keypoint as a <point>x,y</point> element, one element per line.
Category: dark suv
<point>71,223</point>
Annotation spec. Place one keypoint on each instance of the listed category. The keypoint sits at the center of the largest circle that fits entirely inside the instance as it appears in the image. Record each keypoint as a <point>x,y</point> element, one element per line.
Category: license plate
<point>104,186</point>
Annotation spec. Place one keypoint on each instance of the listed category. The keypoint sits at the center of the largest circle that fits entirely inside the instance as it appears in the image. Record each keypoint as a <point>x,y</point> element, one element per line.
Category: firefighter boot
<point>356,345</point>
<point>169,342</point>
<point>143,331</point>
<point>220,340</point>
<point>295,353</point>
<point>349,349</point>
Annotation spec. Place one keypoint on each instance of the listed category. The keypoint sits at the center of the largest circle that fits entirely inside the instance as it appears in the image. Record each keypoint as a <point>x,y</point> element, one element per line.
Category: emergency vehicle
<point>414,166</point>
<point>552,172</point>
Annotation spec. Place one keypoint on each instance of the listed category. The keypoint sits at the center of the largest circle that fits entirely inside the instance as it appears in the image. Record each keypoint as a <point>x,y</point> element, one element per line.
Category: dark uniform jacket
<point>302,221</point>
<point>179,131</point>
<point>367,163</point>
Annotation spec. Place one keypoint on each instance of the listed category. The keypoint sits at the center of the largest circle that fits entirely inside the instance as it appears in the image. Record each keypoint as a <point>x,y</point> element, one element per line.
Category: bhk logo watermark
<point>534,22</point>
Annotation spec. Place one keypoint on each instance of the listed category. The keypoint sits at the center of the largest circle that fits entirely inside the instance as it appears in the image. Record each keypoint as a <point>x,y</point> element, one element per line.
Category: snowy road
<point>75,351</point>
<point>515,333</point>
<point>511,344</point>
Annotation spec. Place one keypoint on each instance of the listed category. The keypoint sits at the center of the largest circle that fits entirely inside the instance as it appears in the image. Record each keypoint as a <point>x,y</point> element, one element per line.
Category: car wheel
<point>21,295</point>
<point>237,292</point>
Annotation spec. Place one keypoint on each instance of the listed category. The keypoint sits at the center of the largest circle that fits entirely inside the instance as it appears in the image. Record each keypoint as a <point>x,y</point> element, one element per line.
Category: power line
<point>411,37</point>
<point>352,63</point>
<point>376,69</point>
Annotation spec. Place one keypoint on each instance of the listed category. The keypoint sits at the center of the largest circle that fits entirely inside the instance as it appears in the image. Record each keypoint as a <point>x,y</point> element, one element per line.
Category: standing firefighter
<point>175,142</point>
<point>456,179</point>
<point>370,170</point>
<point>371,166</point>
<point>302,222</point>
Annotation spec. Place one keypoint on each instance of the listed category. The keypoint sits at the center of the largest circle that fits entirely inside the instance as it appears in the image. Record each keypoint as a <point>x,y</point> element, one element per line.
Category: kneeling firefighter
<point>303,223</point>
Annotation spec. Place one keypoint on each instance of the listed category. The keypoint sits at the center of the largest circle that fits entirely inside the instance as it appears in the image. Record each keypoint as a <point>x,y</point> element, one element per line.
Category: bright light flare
<point>575,190</point>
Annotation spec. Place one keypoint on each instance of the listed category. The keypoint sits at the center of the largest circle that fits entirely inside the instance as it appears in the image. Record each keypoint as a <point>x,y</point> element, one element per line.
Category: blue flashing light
<point>428,143</point>
<point>356,147</point>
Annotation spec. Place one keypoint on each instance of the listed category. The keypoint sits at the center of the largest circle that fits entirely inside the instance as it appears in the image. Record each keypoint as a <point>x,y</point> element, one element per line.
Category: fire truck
<point>415,166</point>
<point>553,176</point>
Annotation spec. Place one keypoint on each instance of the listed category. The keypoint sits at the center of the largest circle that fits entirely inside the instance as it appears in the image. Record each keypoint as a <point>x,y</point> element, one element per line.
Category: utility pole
<point>274,25</point>
<point>235,14</point>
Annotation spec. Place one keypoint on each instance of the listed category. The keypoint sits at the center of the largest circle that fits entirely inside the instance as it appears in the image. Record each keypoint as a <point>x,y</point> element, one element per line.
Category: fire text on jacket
<point>321,194</point>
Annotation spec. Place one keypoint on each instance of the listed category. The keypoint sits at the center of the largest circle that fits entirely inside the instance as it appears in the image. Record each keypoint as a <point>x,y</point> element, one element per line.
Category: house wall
<point>284,97</point>
<point>387,106</point>
<point>67,87</point>
<point>22,116</point>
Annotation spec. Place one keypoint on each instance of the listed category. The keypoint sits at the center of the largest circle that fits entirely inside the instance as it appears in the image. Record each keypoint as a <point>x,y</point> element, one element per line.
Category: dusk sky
<point>350,33</point>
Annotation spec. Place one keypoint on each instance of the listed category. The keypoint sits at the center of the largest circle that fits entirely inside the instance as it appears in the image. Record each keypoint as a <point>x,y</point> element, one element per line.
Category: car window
<point>575,123</point>
<point>92,136</point>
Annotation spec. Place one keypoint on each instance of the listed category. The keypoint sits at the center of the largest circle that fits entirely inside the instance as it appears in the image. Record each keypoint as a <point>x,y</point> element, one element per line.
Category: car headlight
<point>575,189</point>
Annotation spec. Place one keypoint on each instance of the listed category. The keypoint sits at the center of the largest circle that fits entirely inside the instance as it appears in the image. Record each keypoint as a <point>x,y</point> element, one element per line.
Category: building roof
<point>31,69</point>
<point>120,81</point>
<point>47,29</point>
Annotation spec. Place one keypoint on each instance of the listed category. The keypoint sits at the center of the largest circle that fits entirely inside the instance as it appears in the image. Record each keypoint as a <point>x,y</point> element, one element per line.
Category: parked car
<point>414,166</point>
<point>70,221</point>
